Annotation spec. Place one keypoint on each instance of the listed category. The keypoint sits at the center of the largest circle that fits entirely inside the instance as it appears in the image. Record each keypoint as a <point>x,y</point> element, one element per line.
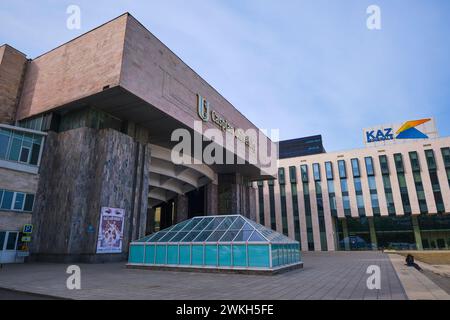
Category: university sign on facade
<point>207,114</point>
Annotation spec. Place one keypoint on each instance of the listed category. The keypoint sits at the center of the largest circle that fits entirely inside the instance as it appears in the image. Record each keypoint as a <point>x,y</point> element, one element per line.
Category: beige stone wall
<point>12,64</point>
<point>77,69</point>
<point>13,221</point>
<point>18,181</point>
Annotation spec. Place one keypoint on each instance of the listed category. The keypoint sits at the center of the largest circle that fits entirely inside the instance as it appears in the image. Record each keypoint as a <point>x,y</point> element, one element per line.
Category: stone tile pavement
<point>417,285</point>
<point>326,276</point>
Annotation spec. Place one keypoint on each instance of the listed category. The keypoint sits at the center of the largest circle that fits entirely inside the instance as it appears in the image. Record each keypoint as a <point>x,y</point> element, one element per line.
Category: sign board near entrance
<point>110,236</point>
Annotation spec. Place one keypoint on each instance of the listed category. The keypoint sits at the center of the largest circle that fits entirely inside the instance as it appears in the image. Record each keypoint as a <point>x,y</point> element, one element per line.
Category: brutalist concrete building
<point>85,146</point>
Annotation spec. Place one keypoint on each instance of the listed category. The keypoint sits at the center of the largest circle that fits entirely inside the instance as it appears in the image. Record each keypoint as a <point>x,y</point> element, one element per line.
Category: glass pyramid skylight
<point>216,242</point>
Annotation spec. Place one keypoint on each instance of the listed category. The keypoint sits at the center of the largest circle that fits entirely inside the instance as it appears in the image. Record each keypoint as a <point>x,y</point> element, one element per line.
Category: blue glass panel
<point>258,256</point>
<point>197,255</point>
<point>161,254</point>
<point>239,256</point>
<point>191,236</point>
<point>185,255</point>
<point>150,254</point>
<point>256,237</point>
<point>243,236</point>
<point>136,254</point>
<point>216,236</point>
<point>172,255</point>
<point>211,255</point>
<point>237,225</point>
<point>225,255</point>
<point>229,236</point>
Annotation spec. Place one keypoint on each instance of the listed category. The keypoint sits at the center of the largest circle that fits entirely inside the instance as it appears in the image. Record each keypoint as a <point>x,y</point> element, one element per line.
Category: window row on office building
<point>394,197</point>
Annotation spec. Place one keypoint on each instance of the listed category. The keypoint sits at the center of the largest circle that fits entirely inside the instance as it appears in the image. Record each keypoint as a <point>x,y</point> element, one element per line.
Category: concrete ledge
<point>417,286</point>
<point>261,272</point>
<point>435,257</point>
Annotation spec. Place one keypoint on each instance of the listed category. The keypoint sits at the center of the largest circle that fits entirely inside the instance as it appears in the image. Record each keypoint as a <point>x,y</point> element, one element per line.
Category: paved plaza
<point>326,276</point>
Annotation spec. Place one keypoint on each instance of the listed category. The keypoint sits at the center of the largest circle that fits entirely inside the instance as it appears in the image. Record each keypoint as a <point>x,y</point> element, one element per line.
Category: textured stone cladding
<point>77,69</point>
<point>83,170</point>
<point>12,64</point>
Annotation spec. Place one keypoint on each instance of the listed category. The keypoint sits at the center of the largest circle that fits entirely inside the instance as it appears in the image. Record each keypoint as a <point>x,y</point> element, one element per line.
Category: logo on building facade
<point>206,114</point>
<point>203,108</point>
<point>409,130</point>
<point>406,131</point>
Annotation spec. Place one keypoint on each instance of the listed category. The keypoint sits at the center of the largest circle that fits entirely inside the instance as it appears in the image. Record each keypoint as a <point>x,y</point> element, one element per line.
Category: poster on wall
<point>110,236</point>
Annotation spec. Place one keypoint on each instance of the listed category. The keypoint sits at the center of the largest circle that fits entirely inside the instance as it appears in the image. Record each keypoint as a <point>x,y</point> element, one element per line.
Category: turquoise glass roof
<point>223,229</point>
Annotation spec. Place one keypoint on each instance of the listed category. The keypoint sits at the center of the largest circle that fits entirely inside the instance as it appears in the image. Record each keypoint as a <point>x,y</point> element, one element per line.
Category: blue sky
<point>304,66</point>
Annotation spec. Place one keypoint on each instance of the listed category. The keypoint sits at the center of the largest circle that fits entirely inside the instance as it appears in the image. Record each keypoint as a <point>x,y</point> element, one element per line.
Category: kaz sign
<point>410,130</point>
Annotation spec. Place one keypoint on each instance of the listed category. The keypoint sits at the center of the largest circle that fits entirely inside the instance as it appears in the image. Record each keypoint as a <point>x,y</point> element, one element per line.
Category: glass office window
<point>329,170</point>
<point>384,164</point>
<point>304,173</point>
<point>446,156</point>
<point>342,169</point>
<point>369,166</point>
<point>432,169</point>
<point>308,216</point>
<point>316,172</point>
<point>414,157</point>
<point>355,168</point>
<point>293,174</point>
<point>402,183</point>
<point>281,176</point>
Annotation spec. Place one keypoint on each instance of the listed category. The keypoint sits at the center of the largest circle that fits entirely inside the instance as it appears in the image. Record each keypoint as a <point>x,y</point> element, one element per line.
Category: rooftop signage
<point>396,133</point>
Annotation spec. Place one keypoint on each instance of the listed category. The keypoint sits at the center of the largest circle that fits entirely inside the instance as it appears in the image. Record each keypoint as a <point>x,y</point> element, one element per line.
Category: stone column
<point>417,234</point>
<point>181,208</point>
<point>212,199</point>
<point>252,192</point>
<point>150,221</point>
<point>373,234</point>
<point>82,171</point>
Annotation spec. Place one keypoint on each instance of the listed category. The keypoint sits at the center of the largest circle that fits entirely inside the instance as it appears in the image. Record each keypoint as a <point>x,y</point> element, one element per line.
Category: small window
<point>304,171</point>
<point>384,165</point>
<point>446,156</point>
<point>281,176</point>
<point>12,240</point>
<point>29,202</point>
<point>399,163</point>
<point>293,174</point>
<point>19,201</point>
<point>355,168</point>
<point>369,166</point>
<point>414,157</point>
<point>329,170</point>
<point>316,172</point>
<point>342,169</point>
<point>431,160</point>
<point>7,200</point>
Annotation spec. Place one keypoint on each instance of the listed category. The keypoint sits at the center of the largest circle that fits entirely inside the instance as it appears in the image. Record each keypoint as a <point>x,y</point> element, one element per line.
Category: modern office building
<point>85,146</point>
<point>391,194</point>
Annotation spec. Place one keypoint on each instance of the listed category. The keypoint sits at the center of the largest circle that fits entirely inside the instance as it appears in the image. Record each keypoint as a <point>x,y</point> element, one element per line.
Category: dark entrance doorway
<point>197,203</point>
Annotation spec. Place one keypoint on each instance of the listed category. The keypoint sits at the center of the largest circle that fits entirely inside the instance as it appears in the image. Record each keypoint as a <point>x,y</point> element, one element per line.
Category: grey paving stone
<point>326,276</point>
